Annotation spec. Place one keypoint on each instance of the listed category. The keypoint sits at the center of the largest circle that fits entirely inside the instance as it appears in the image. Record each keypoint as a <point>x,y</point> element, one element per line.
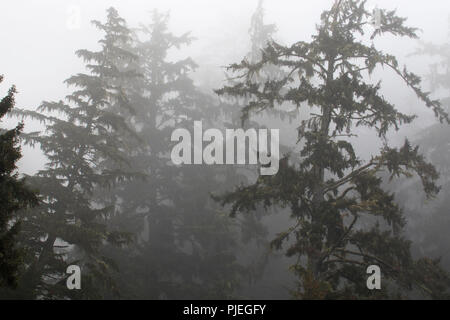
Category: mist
<point>223,231</point>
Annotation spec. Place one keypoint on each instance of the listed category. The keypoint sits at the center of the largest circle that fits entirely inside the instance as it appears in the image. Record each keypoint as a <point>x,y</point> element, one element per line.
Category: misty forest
<point>358,92</point>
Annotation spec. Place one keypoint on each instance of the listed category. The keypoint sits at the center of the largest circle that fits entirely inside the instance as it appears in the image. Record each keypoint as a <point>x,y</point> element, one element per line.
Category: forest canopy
<point>295,171</point>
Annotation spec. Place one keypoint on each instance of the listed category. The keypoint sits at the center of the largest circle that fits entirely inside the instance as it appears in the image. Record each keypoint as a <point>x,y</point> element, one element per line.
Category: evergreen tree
<point>86,143</point>
<point>184,247</point>
<point>429,220</point>
<point>345,221</point>
<point>15,195</point>
<point>260,33</point>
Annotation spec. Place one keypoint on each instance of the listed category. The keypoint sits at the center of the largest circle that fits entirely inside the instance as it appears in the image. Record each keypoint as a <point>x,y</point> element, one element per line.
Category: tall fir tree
<point>184,247</point>
<point>344,220</point>
<point>15,195</point>
<point>86,142</point>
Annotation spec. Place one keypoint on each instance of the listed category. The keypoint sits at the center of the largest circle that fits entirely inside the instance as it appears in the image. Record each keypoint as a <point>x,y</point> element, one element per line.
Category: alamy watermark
<point>374,280</point>
<point>236,146</point>
<point>73,281</point>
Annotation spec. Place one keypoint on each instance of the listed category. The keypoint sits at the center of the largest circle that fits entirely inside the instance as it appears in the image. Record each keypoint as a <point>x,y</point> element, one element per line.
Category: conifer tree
<point>183,247</point>
<point>186,247</point>
<point>429,220</point>
<point>344,220</point>
<point>86,142</point>
<point>15,195</point>
<point>433,140</point>
<point>260,33</point>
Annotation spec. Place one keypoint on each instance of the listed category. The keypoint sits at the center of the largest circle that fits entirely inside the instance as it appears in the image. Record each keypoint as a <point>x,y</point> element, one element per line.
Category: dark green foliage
<point>15,195</point>
<point>86,143</point>
<point>345,221</point>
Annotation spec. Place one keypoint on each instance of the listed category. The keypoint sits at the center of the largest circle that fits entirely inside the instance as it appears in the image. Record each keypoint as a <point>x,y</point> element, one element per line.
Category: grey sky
<point>38,47</point>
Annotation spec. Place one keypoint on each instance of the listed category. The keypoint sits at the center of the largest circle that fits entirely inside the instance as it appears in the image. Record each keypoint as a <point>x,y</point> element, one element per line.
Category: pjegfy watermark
<point>240,147</point>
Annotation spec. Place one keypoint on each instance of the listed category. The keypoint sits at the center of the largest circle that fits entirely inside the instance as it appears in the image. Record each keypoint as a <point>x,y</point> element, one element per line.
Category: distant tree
<point>345,221</point>
<point>15,195</point>
<point>260,33</point>
<point>184,246</point>
<point>434,140</point>
<point>86,142</point>
<point>430,220</point>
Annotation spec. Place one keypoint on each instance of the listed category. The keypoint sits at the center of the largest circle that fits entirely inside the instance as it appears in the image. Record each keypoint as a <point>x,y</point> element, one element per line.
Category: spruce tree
<point>86,142</point>
<point>15,195</point>
<point>184,247</point>
<point>344,220</point>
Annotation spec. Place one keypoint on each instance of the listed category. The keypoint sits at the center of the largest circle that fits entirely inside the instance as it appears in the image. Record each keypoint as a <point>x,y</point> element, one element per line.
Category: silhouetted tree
<point>345,221</point>
<point>86,142</point>
<point>15,195</point>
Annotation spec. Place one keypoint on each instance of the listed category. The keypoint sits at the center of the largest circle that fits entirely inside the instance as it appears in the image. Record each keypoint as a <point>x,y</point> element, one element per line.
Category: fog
<point>39,41</point>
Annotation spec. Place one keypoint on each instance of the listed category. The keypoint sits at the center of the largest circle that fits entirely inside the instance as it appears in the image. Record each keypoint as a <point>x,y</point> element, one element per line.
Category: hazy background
<point>38,41</point>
